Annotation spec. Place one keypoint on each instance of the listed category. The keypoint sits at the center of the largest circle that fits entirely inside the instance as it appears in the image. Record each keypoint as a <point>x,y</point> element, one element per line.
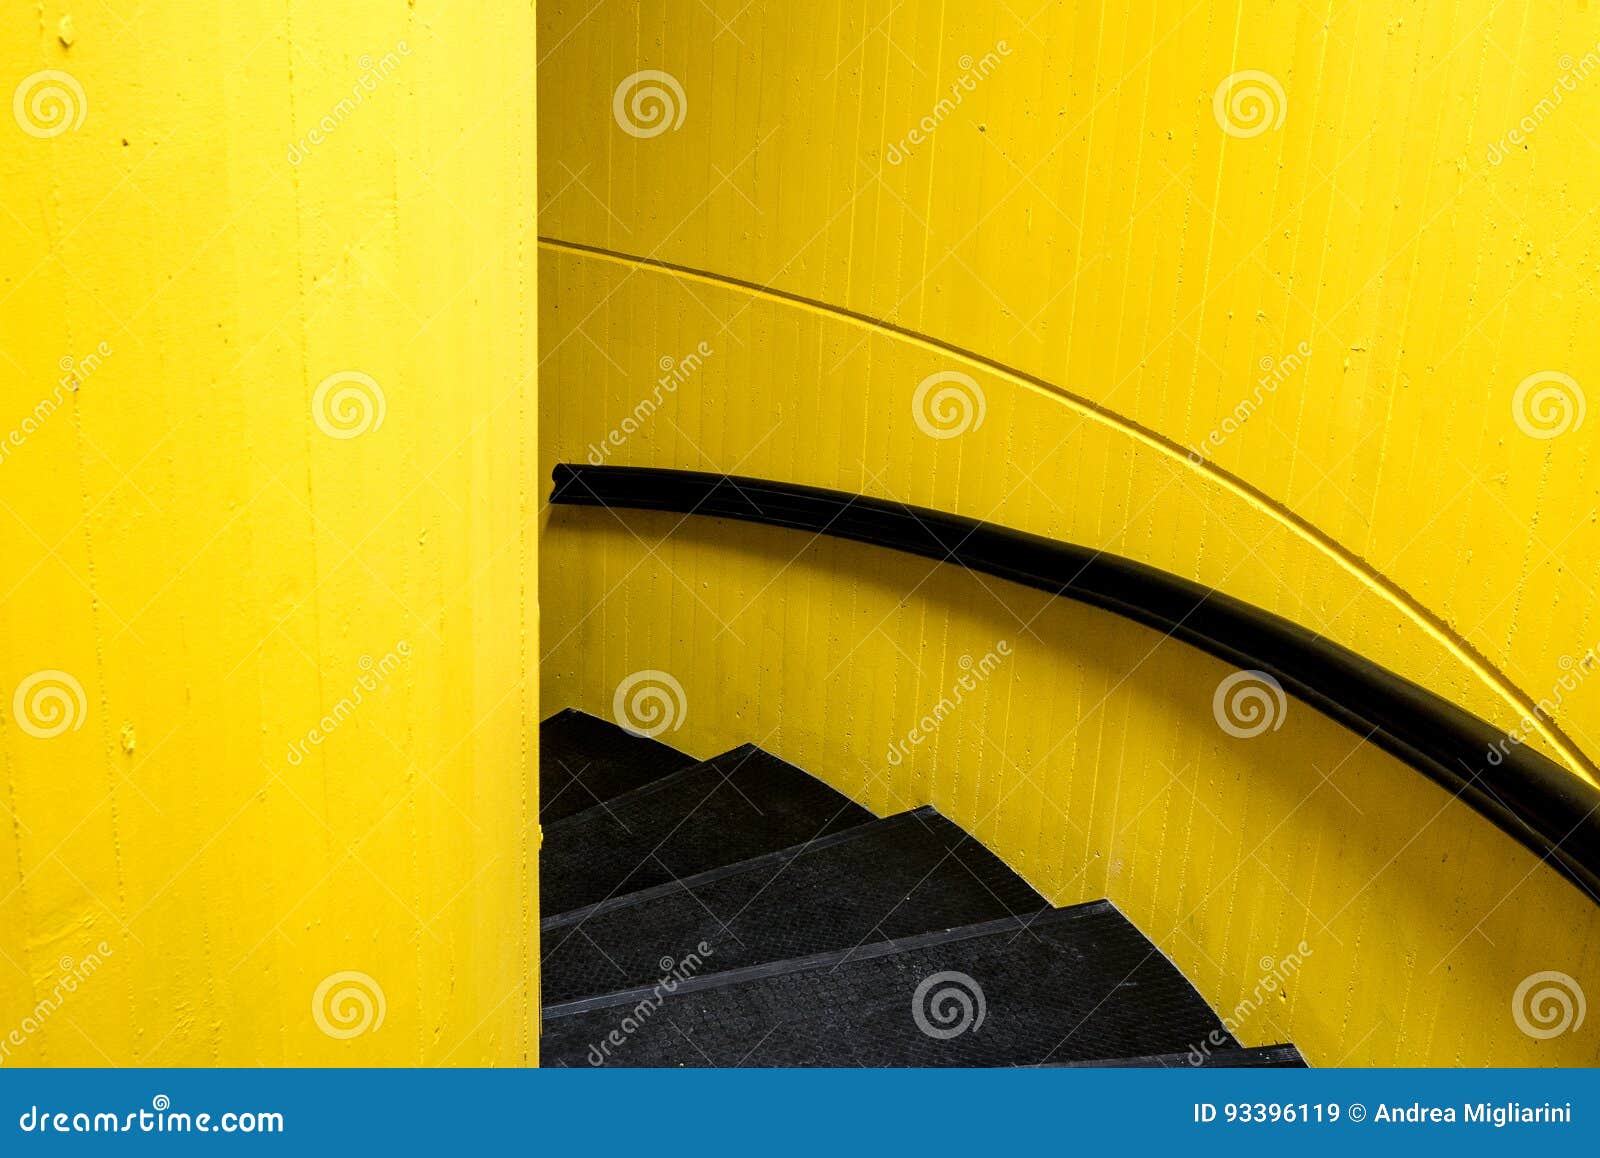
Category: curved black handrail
<point>1535,800</point>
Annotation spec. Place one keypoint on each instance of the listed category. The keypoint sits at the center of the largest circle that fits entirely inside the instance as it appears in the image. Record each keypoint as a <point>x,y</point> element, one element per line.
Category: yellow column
<point>267,616</point>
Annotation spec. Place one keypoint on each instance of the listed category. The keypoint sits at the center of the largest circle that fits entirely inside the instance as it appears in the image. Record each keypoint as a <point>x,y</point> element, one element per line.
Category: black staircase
<point>738,911</point>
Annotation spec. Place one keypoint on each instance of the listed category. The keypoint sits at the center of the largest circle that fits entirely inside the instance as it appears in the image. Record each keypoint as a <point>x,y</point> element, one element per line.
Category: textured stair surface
<point>1075,984</point>
<point>584,760</point>
<point>1261,1057</point>
<point>907,875</point>
<point>738,805</point>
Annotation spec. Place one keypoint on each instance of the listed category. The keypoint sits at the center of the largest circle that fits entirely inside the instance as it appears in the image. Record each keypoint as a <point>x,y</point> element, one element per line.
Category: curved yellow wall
<point>1313,888</point>
<point>291,627</point>
<point>1290,364</point>
<point>1120,275</point>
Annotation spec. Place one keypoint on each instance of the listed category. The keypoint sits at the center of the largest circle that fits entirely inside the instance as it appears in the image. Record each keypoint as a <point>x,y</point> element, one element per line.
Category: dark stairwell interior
<point>738,911</point>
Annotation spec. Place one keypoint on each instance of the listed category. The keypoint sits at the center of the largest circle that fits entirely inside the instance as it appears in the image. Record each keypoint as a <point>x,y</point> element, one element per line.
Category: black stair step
<point>738,805</point>
<point>584,761</point>
<point>1074,984</point>
<point>899,877</point>
<point>1260,1057</point>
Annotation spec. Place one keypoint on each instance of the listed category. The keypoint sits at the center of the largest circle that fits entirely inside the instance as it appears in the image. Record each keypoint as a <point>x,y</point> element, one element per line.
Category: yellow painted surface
<point>1082,220</point>
<point>295,627</point>
<point>1290,365</point>
<point>1314,889</point>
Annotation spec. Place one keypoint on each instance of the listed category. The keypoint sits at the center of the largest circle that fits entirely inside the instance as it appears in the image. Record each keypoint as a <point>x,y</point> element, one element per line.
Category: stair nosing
<point>734,868</point>
<point>834,957</point>
<point>1286,1050</point>
<point>632,735</point>
<point>654,786</point>
<point>690,762</point>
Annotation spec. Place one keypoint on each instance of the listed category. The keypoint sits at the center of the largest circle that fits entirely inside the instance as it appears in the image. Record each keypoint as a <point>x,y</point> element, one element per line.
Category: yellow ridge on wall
<point>1360,569</point>
<point>1335,253</point>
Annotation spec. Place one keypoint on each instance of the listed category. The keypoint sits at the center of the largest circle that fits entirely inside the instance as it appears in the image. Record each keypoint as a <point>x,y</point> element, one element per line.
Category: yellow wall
<point>1116,274</point>
<point>1091,761</point>
<point>1109,257</point>
<point>216,570</point>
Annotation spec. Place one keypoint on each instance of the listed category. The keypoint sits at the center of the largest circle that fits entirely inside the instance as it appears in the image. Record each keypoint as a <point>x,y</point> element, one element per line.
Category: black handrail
<point>1532,798</point>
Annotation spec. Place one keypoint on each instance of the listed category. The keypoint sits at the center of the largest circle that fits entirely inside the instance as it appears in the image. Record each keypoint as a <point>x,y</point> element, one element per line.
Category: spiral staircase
<point>739,912</point>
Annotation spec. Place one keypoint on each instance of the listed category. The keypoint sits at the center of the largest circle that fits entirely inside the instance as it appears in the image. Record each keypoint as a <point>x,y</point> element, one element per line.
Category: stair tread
<point>585,761</point>
<point>892,878</point>
<point>1257,1057</point>
<point>741,804</point>
<point>1069,984</point>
